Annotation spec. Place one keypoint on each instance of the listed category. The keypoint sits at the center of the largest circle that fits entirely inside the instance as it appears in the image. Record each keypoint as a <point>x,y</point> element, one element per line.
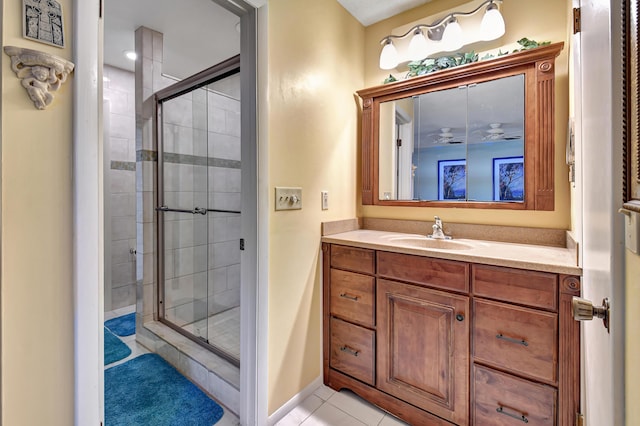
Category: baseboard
<point>294,402</point>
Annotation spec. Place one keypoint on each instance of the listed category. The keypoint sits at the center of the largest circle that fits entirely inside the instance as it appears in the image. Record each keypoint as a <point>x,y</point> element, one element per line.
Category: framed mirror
<point>478,136</point>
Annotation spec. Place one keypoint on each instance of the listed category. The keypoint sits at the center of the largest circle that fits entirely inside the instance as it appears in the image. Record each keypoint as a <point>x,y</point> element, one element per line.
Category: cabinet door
<point>423,348</point>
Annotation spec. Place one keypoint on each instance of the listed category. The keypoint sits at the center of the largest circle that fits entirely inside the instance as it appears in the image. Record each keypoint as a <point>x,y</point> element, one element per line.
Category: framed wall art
<point>452,180</point>
<point>42,21</point>
<point>508,179</point>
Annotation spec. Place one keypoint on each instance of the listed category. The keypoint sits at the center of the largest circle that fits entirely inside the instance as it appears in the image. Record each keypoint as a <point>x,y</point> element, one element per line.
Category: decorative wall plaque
<point>40,73</point>
<point>42,21</point>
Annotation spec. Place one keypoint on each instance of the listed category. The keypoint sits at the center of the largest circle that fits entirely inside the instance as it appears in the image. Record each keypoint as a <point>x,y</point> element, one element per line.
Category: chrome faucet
<point>438,232</point>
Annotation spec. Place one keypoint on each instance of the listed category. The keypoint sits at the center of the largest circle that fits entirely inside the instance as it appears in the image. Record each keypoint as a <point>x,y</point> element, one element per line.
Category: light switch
<point>288,198</point>
<point>325,199</point>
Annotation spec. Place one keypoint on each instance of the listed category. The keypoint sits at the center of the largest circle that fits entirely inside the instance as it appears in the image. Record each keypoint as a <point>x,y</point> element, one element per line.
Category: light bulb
<point>131,55</point>
<point>492,25</point>
<point>452,36</point>
<point>418,47</point>
<point>388,56</point>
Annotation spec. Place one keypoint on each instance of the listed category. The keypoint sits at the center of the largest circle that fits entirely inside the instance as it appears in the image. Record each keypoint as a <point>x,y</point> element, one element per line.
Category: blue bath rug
<point>148,391</point>
<point>114,348</point>
<point>122,326</point>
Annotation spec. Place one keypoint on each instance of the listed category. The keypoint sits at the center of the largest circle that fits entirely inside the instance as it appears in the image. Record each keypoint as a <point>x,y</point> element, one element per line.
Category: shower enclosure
<point>198,207</point>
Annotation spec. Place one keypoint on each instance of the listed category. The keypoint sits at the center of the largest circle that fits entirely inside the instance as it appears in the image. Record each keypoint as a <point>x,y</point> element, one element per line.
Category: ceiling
<point>371,11</point>
<point>200,33</point>
<point>197,33</point>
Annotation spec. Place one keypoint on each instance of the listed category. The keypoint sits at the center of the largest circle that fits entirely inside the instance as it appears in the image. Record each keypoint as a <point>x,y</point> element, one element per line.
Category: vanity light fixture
<point>447,32</point>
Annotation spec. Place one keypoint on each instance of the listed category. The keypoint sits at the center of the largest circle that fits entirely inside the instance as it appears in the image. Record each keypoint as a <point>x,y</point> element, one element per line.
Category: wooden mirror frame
<point>631,105</point>
<point>538,66</point>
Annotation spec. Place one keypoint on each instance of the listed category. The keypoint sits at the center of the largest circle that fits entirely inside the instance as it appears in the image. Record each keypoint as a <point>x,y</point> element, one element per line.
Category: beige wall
<point>632,338</point>
<point>543,20</point>
<point>36,261</point>
<point>315,64</point>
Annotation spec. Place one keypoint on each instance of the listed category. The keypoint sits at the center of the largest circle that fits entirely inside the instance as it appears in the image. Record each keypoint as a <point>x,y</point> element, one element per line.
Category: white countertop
<point>523,256</point>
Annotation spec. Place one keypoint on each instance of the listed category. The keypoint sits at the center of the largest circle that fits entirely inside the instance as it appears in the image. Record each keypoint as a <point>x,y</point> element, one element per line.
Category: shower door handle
<point>195,210</point>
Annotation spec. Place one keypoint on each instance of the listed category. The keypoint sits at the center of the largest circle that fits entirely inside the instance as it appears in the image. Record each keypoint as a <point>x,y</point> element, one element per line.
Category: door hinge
<point>398,143</point>
<point>580,420</point>
<point>576,20</point>
<point>241,243</point>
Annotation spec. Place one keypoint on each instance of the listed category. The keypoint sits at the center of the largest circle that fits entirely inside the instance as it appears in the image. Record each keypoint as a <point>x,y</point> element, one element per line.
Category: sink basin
<point>424,242</point>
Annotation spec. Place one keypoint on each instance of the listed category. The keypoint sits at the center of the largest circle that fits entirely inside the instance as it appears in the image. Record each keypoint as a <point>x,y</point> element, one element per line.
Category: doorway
<point>88,203</point>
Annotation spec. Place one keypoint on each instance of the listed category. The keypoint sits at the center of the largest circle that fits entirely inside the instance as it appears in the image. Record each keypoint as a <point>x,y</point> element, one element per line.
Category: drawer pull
<point>349,350</point>
<point>512,340</point>
<point>350,297</point>
<point>518,416</point>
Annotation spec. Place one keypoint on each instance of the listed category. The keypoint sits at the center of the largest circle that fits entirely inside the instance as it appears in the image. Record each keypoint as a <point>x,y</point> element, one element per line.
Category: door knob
<point>583,310</point>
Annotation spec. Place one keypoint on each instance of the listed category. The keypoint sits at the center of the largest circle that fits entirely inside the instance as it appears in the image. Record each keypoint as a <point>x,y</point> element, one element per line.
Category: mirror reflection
<point>459,144</point>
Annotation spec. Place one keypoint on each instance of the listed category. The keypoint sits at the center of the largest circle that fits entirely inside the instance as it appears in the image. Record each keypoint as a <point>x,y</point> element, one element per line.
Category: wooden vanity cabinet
<point>440,342</point>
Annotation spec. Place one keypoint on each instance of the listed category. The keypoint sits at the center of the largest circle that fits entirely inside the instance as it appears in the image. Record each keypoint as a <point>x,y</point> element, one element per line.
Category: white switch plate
<point>288,198</point>
<point>325,200</point>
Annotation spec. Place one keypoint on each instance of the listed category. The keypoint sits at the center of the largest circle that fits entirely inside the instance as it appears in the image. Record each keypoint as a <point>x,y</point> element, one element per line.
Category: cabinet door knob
<point>460,317</point>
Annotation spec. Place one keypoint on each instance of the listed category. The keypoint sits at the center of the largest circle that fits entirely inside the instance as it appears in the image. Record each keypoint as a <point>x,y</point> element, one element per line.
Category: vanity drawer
<point>515,338</point>
<point>352,350</point>
<point>537,289</point>
<point>352,297</point>
<point>500,399</point>
<point>353,259</point>
<point>445,274</point>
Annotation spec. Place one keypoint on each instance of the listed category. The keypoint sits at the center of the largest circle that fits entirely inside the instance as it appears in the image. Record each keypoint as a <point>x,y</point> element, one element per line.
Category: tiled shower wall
<point>120,167</point>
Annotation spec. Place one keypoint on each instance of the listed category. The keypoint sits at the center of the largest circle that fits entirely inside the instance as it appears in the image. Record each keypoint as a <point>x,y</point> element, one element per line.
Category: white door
<point>598,196</point>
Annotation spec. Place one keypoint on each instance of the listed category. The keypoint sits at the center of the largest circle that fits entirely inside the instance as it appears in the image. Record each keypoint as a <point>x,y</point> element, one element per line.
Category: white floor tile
<point>389,420</point>
<point>300,413</point>
<point>328,415</point>
<point>324,392</point>
<point>356,407</point>
<point>288,421</point>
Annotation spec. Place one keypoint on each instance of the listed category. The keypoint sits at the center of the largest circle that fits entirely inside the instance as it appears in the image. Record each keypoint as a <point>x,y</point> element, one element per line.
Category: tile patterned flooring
<point>325,407</point>
<point>221,330</point>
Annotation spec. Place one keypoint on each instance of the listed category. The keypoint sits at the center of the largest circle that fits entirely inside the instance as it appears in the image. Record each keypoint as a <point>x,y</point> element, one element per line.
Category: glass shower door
<point>223,101</point>
<point>183,212</point>
<point>199,192</point>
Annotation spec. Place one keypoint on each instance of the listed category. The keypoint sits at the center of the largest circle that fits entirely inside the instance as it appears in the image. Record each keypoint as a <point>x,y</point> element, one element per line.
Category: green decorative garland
<point>429,65</point>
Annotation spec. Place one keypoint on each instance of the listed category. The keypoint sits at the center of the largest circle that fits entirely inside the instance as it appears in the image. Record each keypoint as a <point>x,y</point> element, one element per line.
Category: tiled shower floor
<point>222,330</point>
